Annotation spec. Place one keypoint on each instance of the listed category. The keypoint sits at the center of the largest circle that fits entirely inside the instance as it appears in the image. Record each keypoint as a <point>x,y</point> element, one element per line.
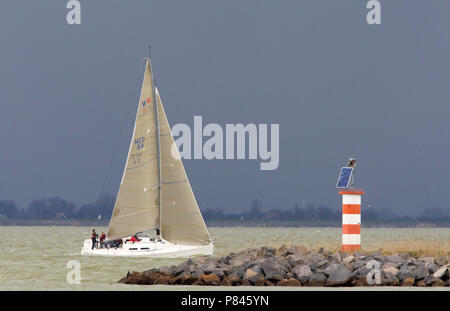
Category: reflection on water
<point>35,258</point>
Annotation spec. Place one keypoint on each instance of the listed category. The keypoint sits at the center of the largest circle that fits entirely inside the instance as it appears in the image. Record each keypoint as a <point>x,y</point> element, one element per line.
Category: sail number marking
<point>139,143</point>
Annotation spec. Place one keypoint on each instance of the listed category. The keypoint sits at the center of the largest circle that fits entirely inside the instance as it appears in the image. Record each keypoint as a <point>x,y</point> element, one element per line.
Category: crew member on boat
<point>134,238</point>
<point>116,243</point>
<point>102,239</point>
<point>94,237</point>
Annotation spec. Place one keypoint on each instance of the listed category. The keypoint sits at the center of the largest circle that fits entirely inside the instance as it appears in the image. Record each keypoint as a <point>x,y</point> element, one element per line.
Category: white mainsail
<point>181,220</point>
<point>154,168</point>
<point>137,204</point>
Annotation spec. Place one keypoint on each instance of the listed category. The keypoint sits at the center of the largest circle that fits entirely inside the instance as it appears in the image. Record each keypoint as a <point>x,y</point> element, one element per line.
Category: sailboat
<point>155,194</point>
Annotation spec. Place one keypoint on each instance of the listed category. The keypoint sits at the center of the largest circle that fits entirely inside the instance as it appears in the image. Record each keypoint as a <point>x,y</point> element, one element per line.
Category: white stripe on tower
<point>351,199</point>
<point>351,239</point>
<point>351,219</point>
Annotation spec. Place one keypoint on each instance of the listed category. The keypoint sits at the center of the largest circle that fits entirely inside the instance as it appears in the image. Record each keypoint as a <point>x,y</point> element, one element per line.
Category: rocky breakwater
<point>296,266</point>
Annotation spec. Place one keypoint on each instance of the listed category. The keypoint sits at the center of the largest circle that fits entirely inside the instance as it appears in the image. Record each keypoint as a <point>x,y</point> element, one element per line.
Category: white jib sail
<point>181,219</point>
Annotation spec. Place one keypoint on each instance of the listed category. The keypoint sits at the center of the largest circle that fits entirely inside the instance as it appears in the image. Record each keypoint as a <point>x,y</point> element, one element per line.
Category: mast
<point>158,143</point>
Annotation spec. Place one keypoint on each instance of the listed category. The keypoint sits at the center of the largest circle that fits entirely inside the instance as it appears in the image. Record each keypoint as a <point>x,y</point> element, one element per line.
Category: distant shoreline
<point>226,223</point>
<point>54,222</point>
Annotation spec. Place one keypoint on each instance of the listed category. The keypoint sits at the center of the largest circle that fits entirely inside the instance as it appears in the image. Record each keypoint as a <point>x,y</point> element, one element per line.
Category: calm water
<point>35,258</point>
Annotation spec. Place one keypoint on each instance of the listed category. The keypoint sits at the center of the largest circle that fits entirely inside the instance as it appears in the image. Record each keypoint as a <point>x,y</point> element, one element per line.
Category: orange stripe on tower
<point>351,229</point>
<point>354,191</point>
<point>350,248</point>
<point>351,209</point>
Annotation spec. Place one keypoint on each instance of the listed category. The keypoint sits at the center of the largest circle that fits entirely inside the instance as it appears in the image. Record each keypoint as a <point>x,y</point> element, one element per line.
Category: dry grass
<point>415,247</point>
<point>416,242</point>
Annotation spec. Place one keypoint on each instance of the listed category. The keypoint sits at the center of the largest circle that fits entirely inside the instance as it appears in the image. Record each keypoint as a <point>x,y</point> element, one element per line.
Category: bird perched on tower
<point>351,162</point>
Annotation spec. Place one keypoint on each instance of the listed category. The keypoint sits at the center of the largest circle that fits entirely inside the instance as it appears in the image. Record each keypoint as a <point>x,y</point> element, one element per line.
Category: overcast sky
<point>336,86</point>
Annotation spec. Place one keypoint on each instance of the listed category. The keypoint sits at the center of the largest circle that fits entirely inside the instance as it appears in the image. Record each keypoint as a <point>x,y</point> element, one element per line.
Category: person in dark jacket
<point>116,243</point>
<point>94,237</point>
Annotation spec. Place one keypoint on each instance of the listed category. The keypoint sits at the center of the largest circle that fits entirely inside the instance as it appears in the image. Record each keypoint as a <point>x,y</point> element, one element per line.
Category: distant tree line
<point>58,208</point>
<point>312,212</point>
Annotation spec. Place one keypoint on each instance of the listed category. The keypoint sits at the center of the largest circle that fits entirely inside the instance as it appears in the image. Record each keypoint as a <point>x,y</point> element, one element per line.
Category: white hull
<point>148,248</point>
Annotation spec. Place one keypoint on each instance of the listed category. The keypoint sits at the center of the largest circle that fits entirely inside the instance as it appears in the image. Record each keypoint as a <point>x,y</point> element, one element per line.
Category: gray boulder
<point>298,249</point>
<point>358,263</point>
<point>438,282</point>
<point>317,279</point>
<point>331,268</point>
<point>429,279</point>
<point>432,268</point>
<point>420,273</point>
<point>363,271</point>
<point>239,261</point>
<point>219,273</point>
<point>442,272</point>
<point>296,259</point>
<point>253,274</point>
<point>388,278</point>
<point>167,271</point>
<point>430,260</point>
<point>234,276</point>
<point>208,268</point>
<point>394,258</point>
<point>389,268</point>
<point>273,270</point>
<point>349,259</point>
<point>313,257</point>
<point>225,268</point>
<point>339,276</point>
<point>336,257</point>
<point>379,258</point>
<point>282,261</point>
<point>257,268</point>
<point>190,262</point>
<point>302,273</point>
<point>239,272</point>
<point>267,251</point>
<point>410,262</point>
<point>180,268</point>
<point>196,273</point>
<point>319,265</point>
<point>405,272</point>
<point>198,260</point>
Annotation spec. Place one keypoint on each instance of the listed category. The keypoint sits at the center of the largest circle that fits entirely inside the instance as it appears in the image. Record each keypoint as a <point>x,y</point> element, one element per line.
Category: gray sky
<point>336,85</point>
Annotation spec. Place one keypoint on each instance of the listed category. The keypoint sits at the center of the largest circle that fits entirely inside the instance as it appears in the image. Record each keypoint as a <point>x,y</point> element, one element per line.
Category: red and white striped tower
<point>351,219</point>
